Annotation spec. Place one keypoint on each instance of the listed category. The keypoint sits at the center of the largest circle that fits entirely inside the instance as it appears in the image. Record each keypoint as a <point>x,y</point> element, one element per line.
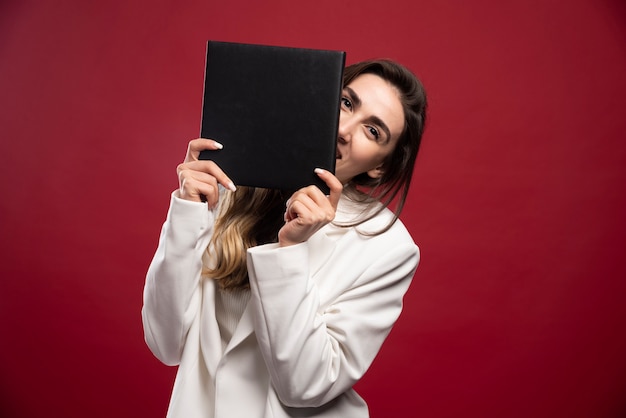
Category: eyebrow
<point>356,100</point>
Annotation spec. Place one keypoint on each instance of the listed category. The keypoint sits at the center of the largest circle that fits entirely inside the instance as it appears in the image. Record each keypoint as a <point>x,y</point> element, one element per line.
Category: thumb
<point>333,184</point>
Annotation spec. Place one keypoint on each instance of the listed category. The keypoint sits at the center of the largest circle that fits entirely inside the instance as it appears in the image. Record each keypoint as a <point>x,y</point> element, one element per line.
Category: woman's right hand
<point>199,179</point>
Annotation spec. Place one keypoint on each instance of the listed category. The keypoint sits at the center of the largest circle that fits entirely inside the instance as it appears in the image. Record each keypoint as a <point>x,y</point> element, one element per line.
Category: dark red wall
<point>518,205</point>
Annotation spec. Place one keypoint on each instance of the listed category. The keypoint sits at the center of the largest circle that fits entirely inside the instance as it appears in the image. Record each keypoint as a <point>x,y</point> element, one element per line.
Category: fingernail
<point>319,170</point>
<point>231,186</point>
<point>218,145</point>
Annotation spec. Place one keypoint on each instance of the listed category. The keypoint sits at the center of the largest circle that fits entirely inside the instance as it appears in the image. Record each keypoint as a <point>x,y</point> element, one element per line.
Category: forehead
<point>381,99</point>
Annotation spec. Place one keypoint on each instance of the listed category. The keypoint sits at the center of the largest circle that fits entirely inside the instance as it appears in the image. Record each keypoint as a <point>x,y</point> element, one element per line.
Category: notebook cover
<point>275,110</point>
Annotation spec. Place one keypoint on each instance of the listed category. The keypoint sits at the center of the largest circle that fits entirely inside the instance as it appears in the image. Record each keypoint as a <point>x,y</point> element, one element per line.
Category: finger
<point>300,206</point>
<point>200,176</point>
<point>199,191</point>
<point>316,201</point>
<point>197,186</point>
<point>311,205</point>
<point>198,145</point>
<point>333,184</point>
<point>210,168</point>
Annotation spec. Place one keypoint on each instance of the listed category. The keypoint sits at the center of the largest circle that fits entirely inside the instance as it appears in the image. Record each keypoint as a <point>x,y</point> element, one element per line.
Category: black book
<point>275,110</point>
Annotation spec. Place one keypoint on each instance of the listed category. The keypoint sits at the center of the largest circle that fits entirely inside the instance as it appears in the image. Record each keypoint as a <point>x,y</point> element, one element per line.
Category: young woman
<point>274,304</point>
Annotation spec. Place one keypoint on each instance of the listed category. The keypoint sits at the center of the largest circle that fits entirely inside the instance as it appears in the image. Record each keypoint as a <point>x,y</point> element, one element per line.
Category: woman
<point>275,304</point>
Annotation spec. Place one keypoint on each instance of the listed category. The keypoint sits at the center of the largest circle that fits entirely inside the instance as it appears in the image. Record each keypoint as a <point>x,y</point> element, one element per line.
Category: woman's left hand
<point>309,209</point>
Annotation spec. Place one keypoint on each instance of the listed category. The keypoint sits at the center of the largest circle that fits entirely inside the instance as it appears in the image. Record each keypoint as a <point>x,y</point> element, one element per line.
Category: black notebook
<point>275,110</point>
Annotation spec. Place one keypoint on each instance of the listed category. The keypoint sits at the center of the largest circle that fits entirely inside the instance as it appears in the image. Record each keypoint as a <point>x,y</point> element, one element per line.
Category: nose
<point>345,128</point>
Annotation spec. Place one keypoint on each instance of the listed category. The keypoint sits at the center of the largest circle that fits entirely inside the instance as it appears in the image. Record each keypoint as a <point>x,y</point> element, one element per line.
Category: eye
<point>345,102</point>
<point>374,132</point>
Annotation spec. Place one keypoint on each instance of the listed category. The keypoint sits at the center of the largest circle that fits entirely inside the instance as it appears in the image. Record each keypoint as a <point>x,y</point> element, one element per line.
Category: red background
<point>518,201</point>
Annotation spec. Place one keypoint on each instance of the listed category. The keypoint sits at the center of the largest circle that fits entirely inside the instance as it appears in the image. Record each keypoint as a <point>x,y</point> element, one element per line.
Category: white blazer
<point>318,314</point>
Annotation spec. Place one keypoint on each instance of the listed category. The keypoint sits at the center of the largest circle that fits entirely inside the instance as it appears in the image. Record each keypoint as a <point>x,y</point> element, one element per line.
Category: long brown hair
<point>398,166</point>
<point>246,218</point>
<point>250,217</point>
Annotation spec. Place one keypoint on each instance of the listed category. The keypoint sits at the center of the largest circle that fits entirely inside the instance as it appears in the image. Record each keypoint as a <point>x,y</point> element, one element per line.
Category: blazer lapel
<point>322,245</point>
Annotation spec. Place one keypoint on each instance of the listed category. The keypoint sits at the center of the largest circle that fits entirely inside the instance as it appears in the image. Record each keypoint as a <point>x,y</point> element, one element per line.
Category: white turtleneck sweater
<point>229,307</point>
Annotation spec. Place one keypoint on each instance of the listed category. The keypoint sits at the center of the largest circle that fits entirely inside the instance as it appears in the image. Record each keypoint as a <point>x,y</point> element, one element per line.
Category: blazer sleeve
<point>171,296</point>
<point>315,353</point>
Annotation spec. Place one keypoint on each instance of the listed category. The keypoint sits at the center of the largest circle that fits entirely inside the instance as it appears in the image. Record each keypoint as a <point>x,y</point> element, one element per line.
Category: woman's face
<point>370,122</point>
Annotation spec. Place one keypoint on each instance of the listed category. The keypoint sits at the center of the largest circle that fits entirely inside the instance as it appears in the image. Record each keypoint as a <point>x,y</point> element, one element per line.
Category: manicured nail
<point>218,145</point>
<point>319,170</point>
<point>231,186</point>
